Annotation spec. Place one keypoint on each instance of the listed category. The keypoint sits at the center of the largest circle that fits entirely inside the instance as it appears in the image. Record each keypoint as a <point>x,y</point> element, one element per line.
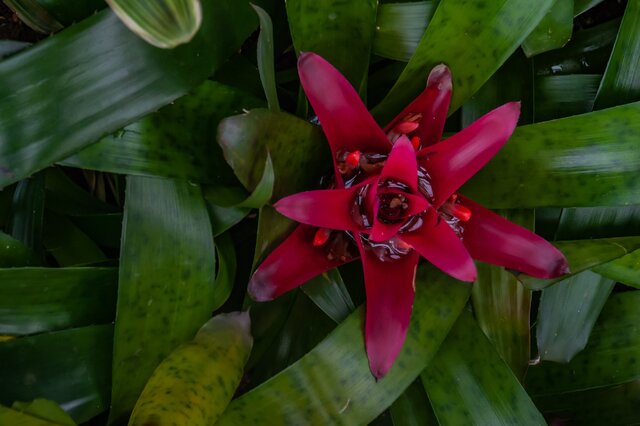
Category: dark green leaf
<point>473,38</point>
<point>175,142</point>
<point>599,222</point>
<point>560,96</point>
<point>567,314</point>
<point>413,408</point>
<point>68,12</point>
<point>294,146</point>
<point>167,265</point>
<point>104,229</point>
<point>553,32</point>
<point>102,77</point>
<point>13,253</point>
<point>66,197</point>
<point>610,358</point>
<point>400,27</point>
<point>340,31</point>
<point>34,300</point>
<point>586,160</point>
<point>68,245</point>
<point>263,190</point>
<point>226,275</point>
<point>333,383</point>
<point>468,383</point>
<point>27,211</point>
<point>585,254</point>
<point>329,293</point>
<point>265,59</point>
<point>582,6</point>
<point>621,81</point>
<point>35,16</point>
<point>71,367</point>
<point>9,47</point>
<point>625,269</point>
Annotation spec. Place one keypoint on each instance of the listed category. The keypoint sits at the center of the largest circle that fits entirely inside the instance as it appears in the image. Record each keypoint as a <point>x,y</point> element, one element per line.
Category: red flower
<point>394,200</point>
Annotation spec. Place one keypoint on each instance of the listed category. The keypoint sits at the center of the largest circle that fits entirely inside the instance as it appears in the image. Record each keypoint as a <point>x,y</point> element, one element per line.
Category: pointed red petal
<point>326,208</point>
<point>456,159</point>
<point>402,165</point>
<point>439,244</point>
<point>390,291</point>
<point>290,265</point>
<point>344,118</point>
<point>493,239</point>
<point>433,104</point>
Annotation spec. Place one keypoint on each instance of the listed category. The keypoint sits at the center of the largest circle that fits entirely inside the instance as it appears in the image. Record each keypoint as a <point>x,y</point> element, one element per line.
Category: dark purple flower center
<point>392,207</point>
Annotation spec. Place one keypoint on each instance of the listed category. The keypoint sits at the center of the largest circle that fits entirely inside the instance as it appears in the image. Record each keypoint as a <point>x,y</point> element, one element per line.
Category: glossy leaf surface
<point>333,381</point>
<point>166,281</point>
<point>102,77</point>
<point>553,31</point>
<point>625,269</point>
<point>467,382</point>
<point>559,96</point>
<point>265,59</point>
<point>329,293</point>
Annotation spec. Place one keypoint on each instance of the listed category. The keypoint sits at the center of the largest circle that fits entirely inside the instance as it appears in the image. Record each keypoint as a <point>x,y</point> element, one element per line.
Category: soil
<point>11,28</point>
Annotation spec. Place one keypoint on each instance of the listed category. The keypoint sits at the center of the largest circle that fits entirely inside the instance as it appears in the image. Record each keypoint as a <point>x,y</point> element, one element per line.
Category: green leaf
<point>68,245</point>
<point>163,23</point>
<point>13,253</point>
<point>264,189</point>
<point>35,16</point>
<point>102,77</point>
<point>468,383</point>
<point>621,81</point>
<point>66,197</point>
<point>338,364</point>
<point>581,6</point>
<point>473,38</point>
<point>599,222</point>
<point>585,254</point>
<point>413,408</point>
<point>175,142</point>
<point>560,96</point>
<point>227,264</point>
<point>610,358</point>
<point>70,367</point>
<point>265,58</point>
<point>45,410</point>
<point>35,300</point>
<point>68,12</point>
<point>294,145</point>
<point>329,293</point>
<point>553,32</point>
<point>9,416</point>
<point>340,31</point>
<point>27,210</point>
<point>167,265</point>
<point>195,383</point>
<point>625,269</point>
<point>399,28</point>
<point>567,314</point>
<point>586,160</point>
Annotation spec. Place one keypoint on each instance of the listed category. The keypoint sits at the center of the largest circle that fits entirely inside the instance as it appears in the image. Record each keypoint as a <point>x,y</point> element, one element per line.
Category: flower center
<point>392,207</point>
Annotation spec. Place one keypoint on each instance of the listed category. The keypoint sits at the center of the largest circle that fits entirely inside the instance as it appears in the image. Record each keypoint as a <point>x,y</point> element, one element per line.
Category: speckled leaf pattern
<point>468,383</point>
<point>585,254</point>
<point>621,81</point>
<point>294,145</point>
<point>70,367</point>
<point>36,300</point>
<point>474,38</point>
<point>333,383</point>
<point>195,383</point>
<point>611,357</point>
<point>176,142</point>
<point>567,314</point>
<point>167,265</point>
<point>400,26</point>
<point>585,160</point>
<point>625,269</point>
<point>553,32</point>
<point>103,77</point>
<point>341,31</point>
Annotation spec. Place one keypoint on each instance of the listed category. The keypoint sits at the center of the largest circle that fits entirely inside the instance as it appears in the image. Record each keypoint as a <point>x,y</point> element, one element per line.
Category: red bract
<point>393,200</point>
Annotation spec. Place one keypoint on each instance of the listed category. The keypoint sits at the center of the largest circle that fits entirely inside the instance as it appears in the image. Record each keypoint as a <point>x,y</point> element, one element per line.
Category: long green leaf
<point>27,211</point>
<point>625,269</point>
<point>44,409</point>
<point>340,31</point>
<point>599,222</point>
<point>35,16</point>
<point>586,160</point>
<point>167,265</point>
<point>329,293</point>
<point>621,81</point>
<point>163,23</point>
<point>473,38</point>
<point>333,383</point>
<point>585,254</point>
<point>610,358</point>
<point>567,314</point>
<point>70,367</point>
<point>68,245</point>
<point>560,96</point>
<point>468,383</point>
<point>553,32</point>
<point>582,6</point>
<point>175,142</point>
<point>9,416</point>
<point>226,275</point>
<point>102,77</point>
<point>399,28</point>
<point>265,59</point>
<point>34,300</point>
<point>413,408</point>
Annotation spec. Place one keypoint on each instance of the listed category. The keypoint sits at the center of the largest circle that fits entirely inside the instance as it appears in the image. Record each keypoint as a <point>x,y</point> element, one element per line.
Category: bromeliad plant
<point>393,200</point>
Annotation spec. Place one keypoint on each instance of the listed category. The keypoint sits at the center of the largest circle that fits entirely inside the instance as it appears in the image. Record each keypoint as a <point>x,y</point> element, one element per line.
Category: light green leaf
<point>625,269</point>
<point>265,59</point>
<point>553,32</point>
<point>329,293</point>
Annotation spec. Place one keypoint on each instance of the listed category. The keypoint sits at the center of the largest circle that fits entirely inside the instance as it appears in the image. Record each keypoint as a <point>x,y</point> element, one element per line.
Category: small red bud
<point>406,127</point>
<point>461,212</point>
<point>353,159</point>
<point>321,237</point>
<point>415,141</point>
